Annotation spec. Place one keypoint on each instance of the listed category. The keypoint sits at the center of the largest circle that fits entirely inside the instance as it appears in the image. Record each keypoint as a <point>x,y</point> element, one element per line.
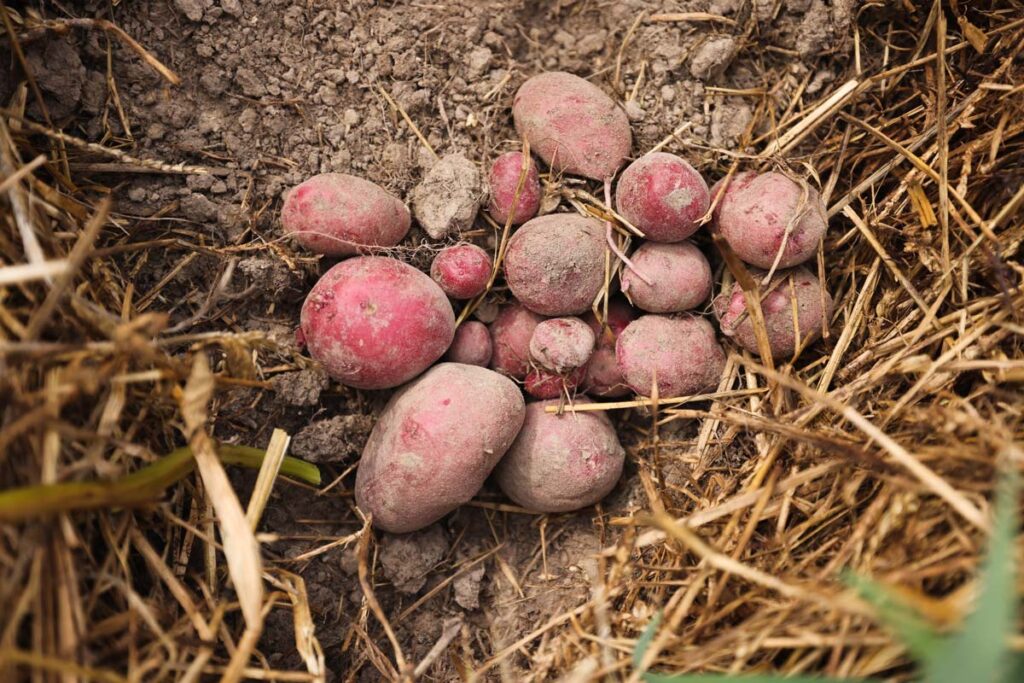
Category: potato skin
<point>472,344</point>
<point>604,378</point>
<point>542,384</point>
<point>755,211</point>
<point>682,351</point>
<point>797,285</point>
<point>510,334</point>
<point>562,344</point>
<point>337,214</point>
<point>662,195</point>
<point>461,270</point>
<point>572,125</point>
<point>502,181</point>
<point>554,264</point>
<point>563,462</point>
<point>435,443</point>
<point>375,322</point>
<point>680,273</point>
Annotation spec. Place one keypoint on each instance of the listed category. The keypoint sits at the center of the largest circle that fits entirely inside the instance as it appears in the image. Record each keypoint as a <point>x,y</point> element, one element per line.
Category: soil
<point>274,91</point>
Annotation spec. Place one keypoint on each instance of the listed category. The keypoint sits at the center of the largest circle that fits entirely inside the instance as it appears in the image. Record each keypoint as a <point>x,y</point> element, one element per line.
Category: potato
<point>756,211</point>
<point>541,383</point>
<point>375,322</point>
<point>503,179</point>
<point>562,462</point>
<point>462,270</point>
<point>562,344</point>
<point>339,215</point>
<point>511,332</point>
<point>663,196</point>
<point>554,264</point>
<point>603,377</point>
<point>681,352</point>
<point>472,345</point>
<point>436,442</point>
<point>679,273</point>
<point>572,125</point>
<point>791,294</point>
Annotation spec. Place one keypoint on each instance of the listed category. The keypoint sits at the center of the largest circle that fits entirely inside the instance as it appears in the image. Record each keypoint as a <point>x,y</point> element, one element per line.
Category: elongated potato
<point>435,443</point>
<point>562,462</point>
<point>503,180</point>
<point>680,354</point>
<point>375,322</point>
<point>554,264</point>
<point>339,215</point>
<point>572,125</point>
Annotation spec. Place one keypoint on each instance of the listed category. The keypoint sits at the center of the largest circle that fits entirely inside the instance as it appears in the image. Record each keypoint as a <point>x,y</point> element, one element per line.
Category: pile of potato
<point>375,322</point>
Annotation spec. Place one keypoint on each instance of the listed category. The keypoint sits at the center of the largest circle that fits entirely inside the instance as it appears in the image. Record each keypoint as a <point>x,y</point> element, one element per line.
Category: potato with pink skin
<point>572,125</point>
<point>680,277</point>
<point>462,270</point>
<point>375,322</point>
<point>562,344</point>
<point>511,332</point>
<point>663,196</point>
<point>503,180</point>
<point>756,212</point>
<point>793,294</point>
<point>472,345</point>
<point>682,353</point>
<point>340,215</point>
<point>604,378</point>
<point>554,264</point>
<point>435,443</point>
<point>542,384</point>
<point>562,462</point>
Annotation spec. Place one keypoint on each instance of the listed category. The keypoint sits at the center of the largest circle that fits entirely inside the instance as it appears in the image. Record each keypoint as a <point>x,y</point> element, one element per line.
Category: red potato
<point>679,273</point>
<point>554,264</point>
<point>792,295</point>
<point>572,125</point>
<point>604,378</point>
<point>339,215</point>
<point>541,383</point>
<point>681,352</point>
<point>562,344</point>
<point>435,443</point>
<point>472,345</point>
<point>663,196</point>
<point>503,180</point>
<point>756,211</point>
<point>375,322</point>
<point>562,462</point>
<point>462,270</point>
<point>511,332</point>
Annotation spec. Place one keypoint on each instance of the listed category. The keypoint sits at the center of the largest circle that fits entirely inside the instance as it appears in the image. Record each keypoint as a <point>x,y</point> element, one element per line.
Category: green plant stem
<point>141,487</point>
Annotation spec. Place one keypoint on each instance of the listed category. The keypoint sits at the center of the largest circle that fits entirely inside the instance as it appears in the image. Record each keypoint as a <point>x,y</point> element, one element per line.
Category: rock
<point>467,588</point>
<point>449,196</point>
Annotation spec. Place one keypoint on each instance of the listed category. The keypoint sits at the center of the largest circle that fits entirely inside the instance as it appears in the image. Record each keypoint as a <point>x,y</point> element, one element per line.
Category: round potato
<point>562,344</point>
<point>511,332</point>
<point>680,277</point>
<point>604,378</point>
<point>680,354</point>
<point>663,196</point>
<point>503,180</point>
<point>461,270</point>
<point>472,344</point>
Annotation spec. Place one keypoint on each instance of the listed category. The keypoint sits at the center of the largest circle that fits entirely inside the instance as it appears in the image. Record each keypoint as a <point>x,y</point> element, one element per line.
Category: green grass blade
<point>920,638</point>
<point>644,641</point>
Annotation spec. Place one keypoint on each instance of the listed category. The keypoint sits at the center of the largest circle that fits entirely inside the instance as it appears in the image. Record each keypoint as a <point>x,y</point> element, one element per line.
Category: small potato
<point>663,196</point>
<point>554,264</point>
<point>436,442</point>
<point>756,211</point>
<point>680,274</point>
<point>541,383</point>
<point>562,344</point>
<point>572,125</point>
<point>604,378</point>
<point>461,270</point>
<point>375,322</point>
<point>503,180</point>
<point>339,215</point>
<point>472,345</point>
<point>793,295</point>
<point>511,332</point>
<point>681,352</point>
<point>562,462</point>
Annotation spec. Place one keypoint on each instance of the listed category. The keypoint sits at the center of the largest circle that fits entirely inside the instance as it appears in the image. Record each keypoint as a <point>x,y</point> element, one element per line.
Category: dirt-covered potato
<point>604,378</point>
<point>435,443</point>
<point>663,196</point>
<point>682,353</point>
<point>562,344</point>
<point>472,344</point>
<point>461,270</point>
<point>503,180</point>
<point>511,332</point>
<point>680,277</point>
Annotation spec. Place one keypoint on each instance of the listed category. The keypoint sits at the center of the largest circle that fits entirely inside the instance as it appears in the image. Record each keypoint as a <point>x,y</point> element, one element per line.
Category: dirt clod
<point>406,559</point>
<point>447,199</point>
<point>333,440</point>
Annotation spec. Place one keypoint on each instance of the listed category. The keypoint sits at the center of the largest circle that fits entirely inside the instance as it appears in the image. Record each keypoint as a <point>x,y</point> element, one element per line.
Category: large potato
<point>339,215</point>
<point>375,322</point>
<point>561,462</point>
<point>435,443</point>
<point>554,264</point>
<point>681,355</point>
<point>663,196</point>
<point>572,125</point>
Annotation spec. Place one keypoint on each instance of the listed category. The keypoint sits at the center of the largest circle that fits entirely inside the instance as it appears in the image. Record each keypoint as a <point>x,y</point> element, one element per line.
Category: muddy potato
<point>562,344</point>
<point>604,378</point>
<point>503,180</point>
<point>681,353</point>
<point>663,196</point>
<point>461,270</point>
<point>472,344</point>
<point>511,332</point>
<point>680,277</point>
